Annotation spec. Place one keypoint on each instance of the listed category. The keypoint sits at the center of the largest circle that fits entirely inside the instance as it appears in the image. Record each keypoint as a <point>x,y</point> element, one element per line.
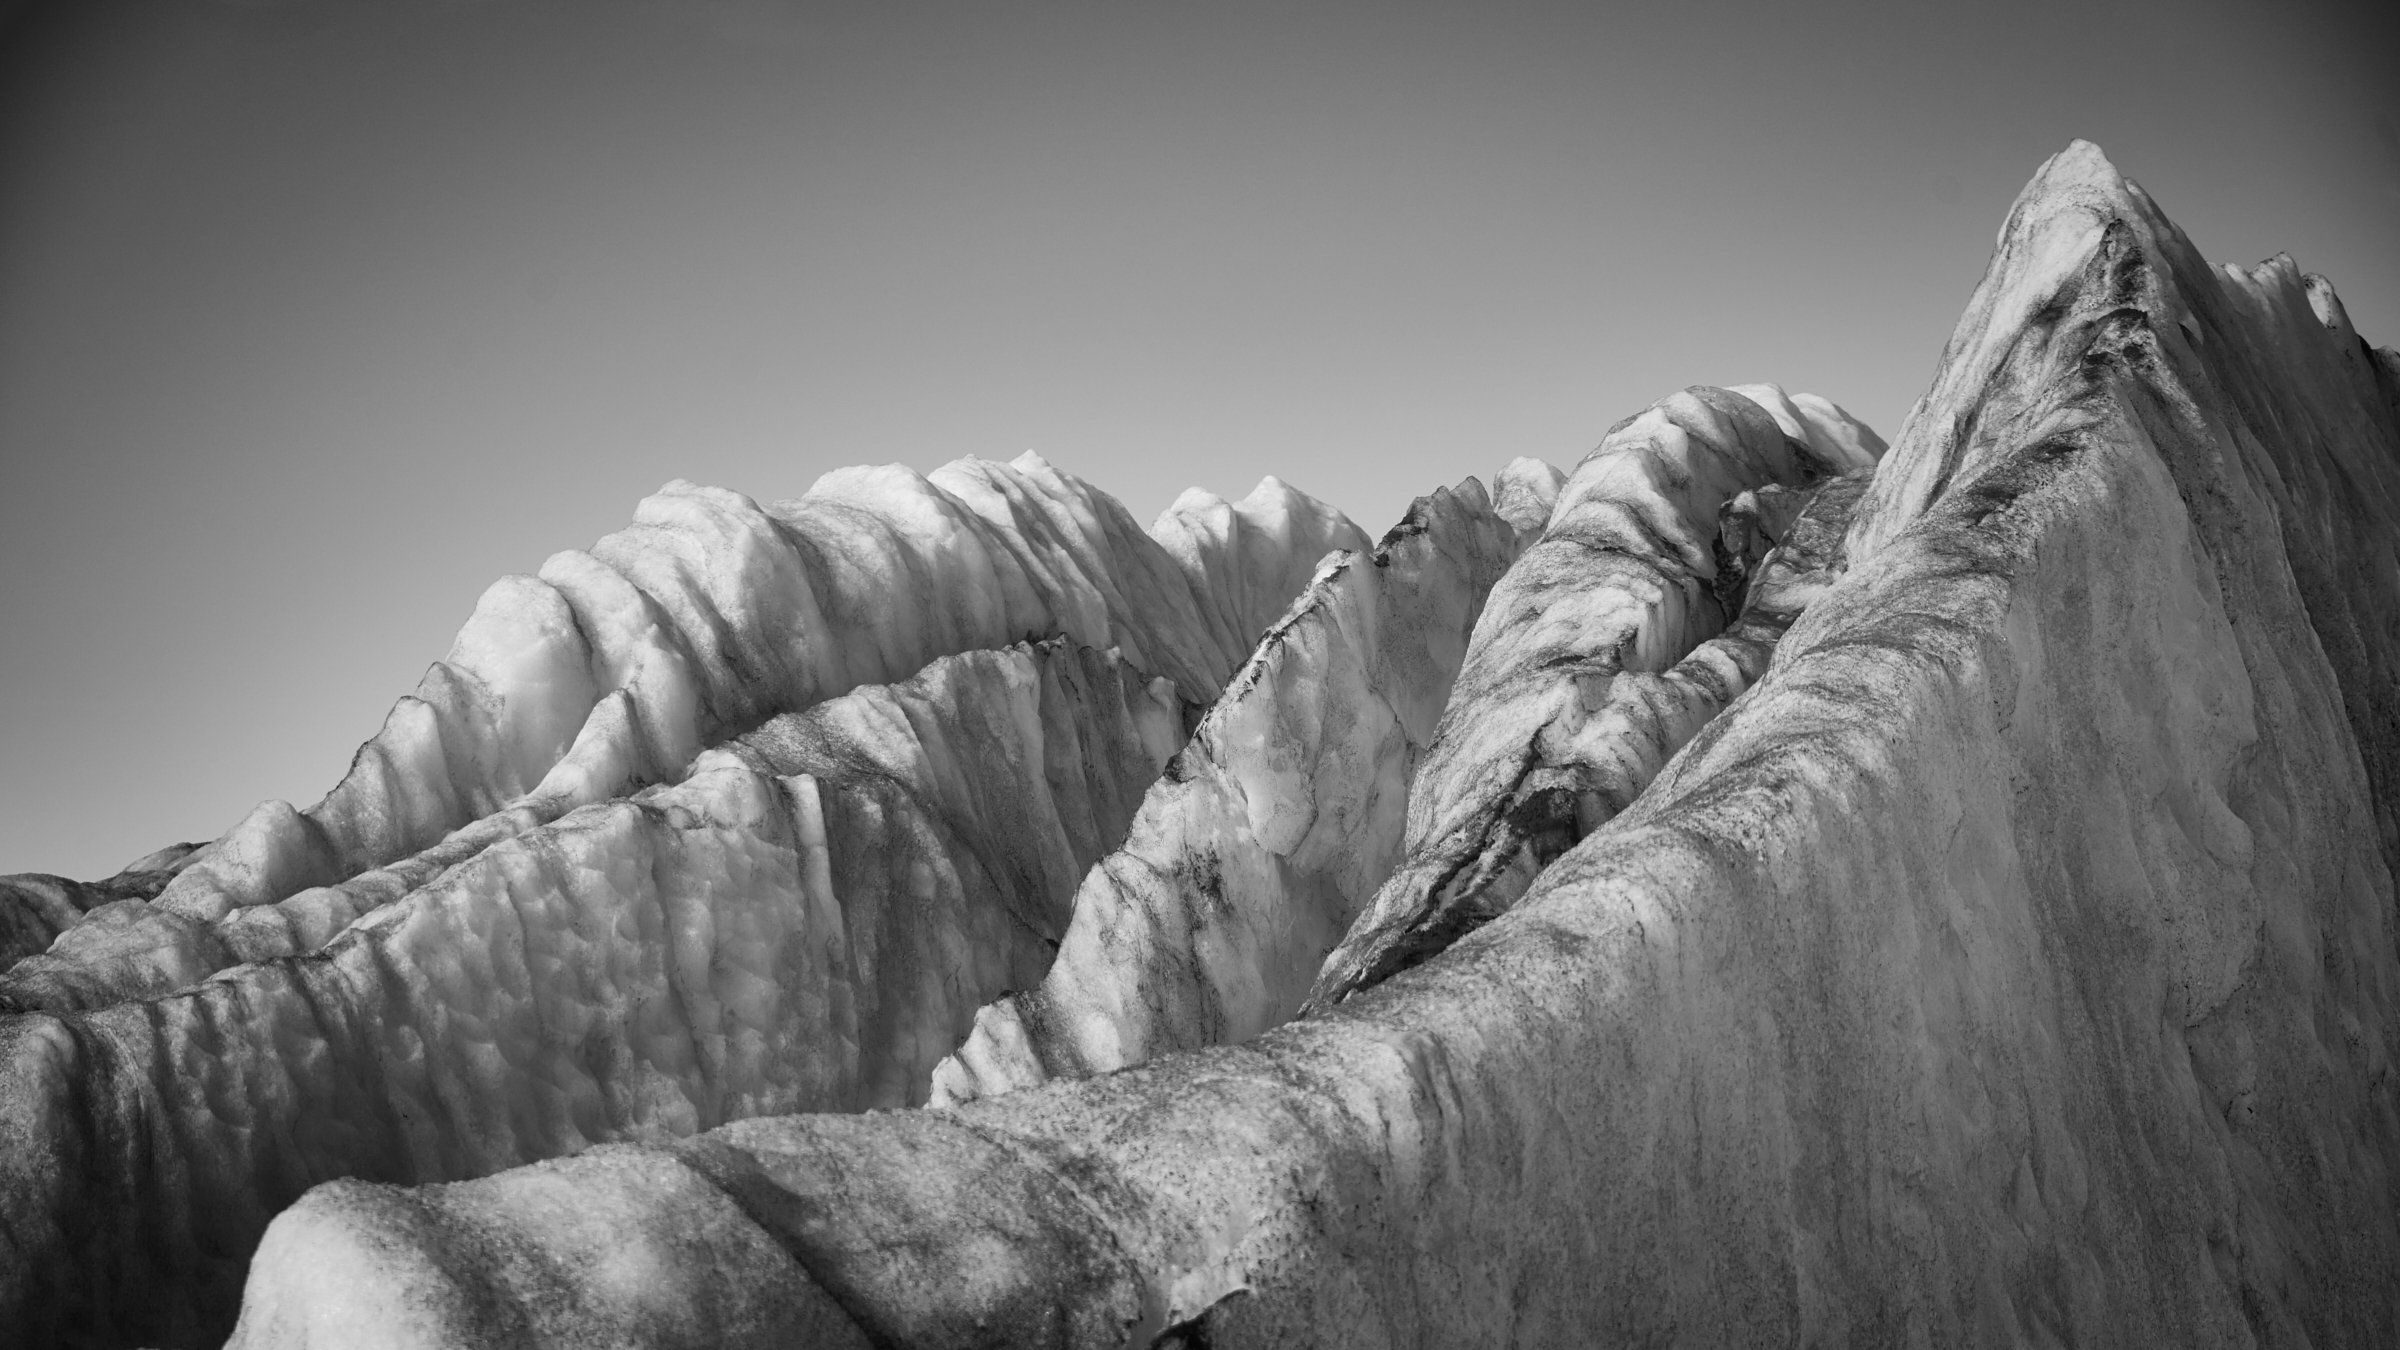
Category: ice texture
<point>613,668</point>
<point>1252,855</point>
<point>2012,963</point>
<point>806,921</point>
<point>1623,584</point>
<point>35,907</point>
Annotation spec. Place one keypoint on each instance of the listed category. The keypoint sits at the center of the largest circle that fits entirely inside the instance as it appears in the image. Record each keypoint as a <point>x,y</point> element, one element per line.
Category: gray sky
<point>317,317</point>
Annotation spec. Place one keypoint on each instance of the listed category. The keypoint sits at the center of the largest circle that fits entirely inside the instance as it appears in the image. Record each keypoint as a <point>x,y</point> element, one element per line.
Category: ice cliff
<point>884,830</point>
<point>1754,888</point>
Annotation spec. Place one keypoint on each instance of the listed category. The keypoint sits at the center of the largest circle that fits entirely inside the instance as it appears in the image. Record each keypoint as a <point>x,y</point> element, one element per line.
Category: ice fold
<point>2012,964</point>
<point>1587,629</point>
<point>35,907</point>
<point>806,921</point>
<point>613,668</point>
<point>1251,855</point>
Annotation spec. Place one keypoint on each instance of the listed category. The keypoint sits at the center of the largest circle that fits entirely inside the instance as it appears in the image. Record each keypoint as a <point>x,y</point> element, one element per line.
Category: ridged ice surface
<point>613,668</point>
<point>1624,581</point>
<point>1251,856</point>
<point>36,907</point>
<point>807,920</point>
<point>2010,963</point>
<point>1595,760</point>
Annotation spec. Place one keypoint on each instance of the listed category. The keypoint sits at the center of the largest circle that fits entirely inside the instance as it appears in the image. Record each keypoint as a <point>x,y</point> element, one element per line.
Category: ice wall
<point>1252,855</point>
<point>612,669</point>
<point>806,921</point>
<point>2013,963</point>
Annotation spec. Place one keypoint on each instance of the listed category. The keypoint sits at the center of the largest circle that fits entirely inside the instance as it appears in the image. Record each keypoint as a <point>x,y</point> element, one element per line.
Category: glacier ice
<point>1250,856</point>
<point>613,668</point>
<point>1754,887</point>
<point>1622,584</point>
<point>804,914</point>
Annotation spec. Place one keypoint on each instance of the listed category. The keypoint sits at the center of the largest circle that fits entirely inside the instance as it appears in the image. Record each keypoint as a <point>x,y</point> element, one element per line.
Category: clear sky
<point>318,316</point>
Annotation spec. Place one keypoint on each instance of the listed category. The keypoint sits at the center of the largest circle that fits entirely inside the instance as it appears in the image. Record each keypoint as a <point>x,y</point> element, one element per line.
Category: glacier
<point>1755,885</point>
